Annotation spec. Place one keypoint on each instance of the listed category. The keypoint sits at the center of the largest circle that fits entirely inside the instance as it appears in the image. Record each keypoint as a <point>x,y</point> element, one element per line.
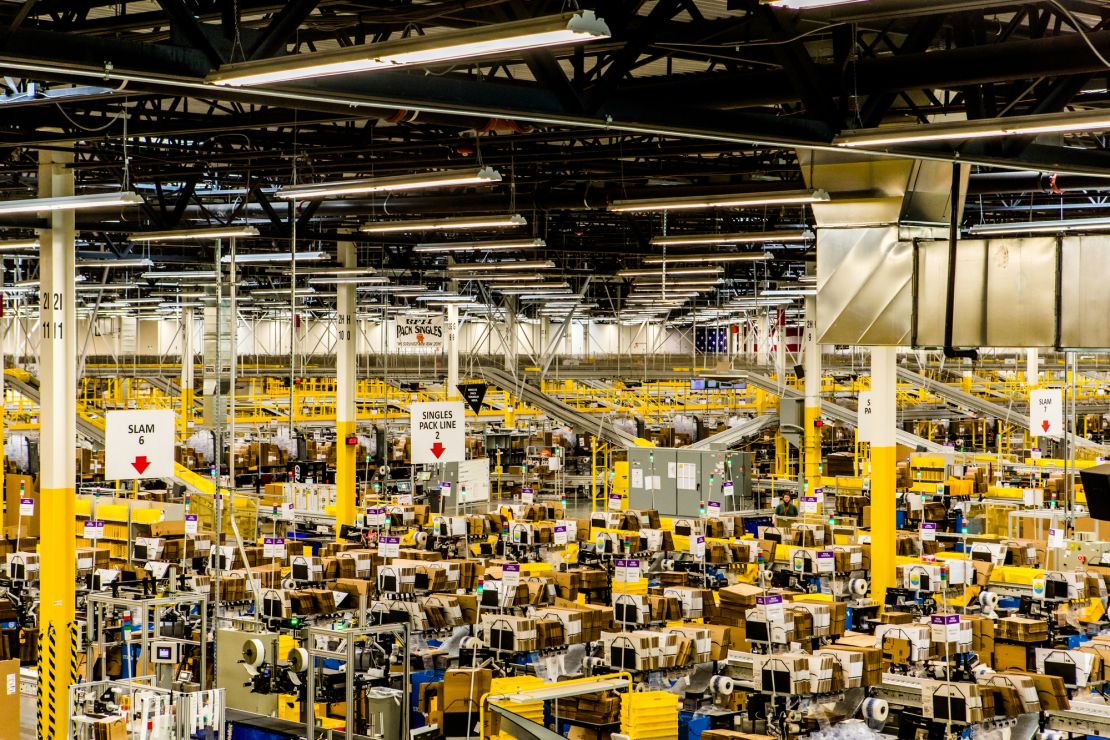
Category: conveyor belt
<point>837,412</point>
<point>733,435</point>
<point>556,409</point>
<point>972,402</point>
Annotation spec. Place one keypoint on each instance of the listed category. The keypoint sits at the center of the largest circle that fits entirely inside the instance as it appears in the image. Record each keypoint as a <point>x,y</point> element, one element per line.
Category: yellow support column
<point>884,379</point>
<point>187,353</point>
<point>346,384</point>
<point>812,436</point>
<point>57,667</point>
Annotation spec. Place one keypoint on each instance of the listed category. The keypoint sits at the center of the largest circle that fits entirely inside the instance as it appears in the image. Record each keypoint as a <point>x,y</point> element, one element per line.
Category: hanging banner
<point>419,333</point>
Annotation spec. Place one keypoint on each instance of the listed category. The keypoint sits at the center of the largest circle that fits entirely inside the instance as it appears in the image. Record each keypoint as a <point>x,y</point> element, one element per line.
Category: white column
<point>812,361</point>
<point>510,333</point>
<point>884,386</point>
<point>187,354</point>
<point>1032,368</point>
<point>57,435</point>
<point>780,341</point>
<point>346,388</point>
<point>764,337</point>
<point>452,389</point>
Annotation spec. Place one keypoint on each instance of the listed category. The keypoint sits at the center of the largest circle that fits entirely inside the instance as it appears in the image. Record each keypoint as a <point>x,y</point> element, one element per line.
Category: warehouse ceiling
<point>685,98</point>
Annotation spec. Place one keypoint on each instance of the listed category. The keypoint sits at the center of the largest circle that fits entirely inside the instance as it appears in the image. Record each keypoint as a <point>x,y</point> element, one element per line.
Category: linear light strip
<point>419,181</point>
<point>74,202</point>
<point>720,201</point>
<point>214,232</point>
<point>444,224</point>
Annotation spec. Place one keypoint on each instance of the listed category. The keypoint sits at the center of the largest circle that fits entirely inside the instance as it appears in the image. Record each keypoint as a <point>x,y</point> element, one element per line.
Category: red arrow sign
<point>140,464</point>
<point>438,449</point>
<point>1045,425</point>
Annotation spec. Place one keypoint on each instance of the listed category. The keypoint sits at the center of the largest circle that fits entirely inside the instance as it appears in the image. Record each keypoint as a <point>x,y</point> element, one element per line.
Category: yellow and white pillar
<point>451,392</point>
<point>187,353</point>
<point>346,385</point>
<point>1032,368</point>
<point>884,384</point>
<point>58,432</point>
<point>812,437</point>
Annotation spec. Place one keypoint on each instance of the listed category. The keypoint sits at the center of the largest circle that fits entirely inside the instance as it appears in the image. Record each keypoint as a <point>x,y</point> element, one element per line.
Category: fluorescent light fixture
<point>720,201</point>
<point>281,291</point>
<point>180,275</point>
<point>754,237</point>
<point>675,271</point>
<point>348,280</point>
<point>419,181</point>
<point>482,266</point>
<point>393,288</point>
<point>679,283</point>
<point>445,297</point>
<point>788,293</point>
<point>708,259</point>
<point>186,295</point>
<point>1026,227</point>
<point>71,202</point>
<point>18,245</point>
<point>213,232</point>
<point>323,271</point>
<point>444,224</point>
<point>1070,122</point>
<point>464,44</point>
<point>807,4</point>
<point>114,262</point>
<point>258,257</point>
<point>501,278</point>
<point>502,245</point>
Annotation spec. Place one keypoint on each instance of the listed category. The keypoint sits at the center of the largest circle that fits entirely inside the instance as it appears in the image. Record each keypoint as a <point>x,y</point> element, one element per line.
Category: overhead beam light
<point>741,238</point>
<point>213,232</point>
<point>180,275</point>
<point>444,224</point>
<point>501,245</point>
<point>807,4</point>
<point>1070,122</point>
<point>419,181</point>
<point>720,201</point>
<point>502,278</point>
<point>260,257</point>
<point>1041,227</point>
<point>114,262</point>
<point>71,202</point>
<point>348,280</point>
<point>470,43</point>
<point>18,245</point>
<point>675,271</point>
<point>708,259</point>
<point>482,266</point>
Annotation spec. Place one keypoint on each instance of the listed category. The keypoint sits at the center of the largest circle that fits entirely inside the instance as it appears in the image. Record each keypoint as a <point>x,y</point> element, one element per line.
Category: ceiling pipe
<point>1011,183</point>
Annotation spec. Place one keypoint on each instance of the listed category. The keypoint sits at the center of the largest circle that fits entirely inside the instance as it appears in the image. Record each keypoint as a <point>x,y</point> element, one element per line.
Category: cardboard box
<point>1010,656</point>
<point>9,700</point>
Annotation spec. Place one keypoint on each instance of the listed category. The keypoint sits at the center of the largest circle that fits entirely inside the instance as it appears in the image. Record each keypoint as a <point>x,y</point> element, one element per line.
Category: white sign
<point>809,504</point>
<point>510,574</point>
<point>615,502</point>
<point>627,571</point>
<point>527,495</point>
<point>571,526</point>
<point>94,530</point>
<point>772,607</point>
<point>419,332</point>
<point>473,480</point>
<point>560,534</point>
<point>389,547</point>
<point>928,532</point>
<point>728,489</point>
<point>438,432</point>
<point>375,517</point>
<point>1055,538</point>
<point>26,507</point>
<point>1046,413</point>
<point>191,525</point>
<point>697,546</point>
<point>713,509</point>
<point>140,444</point>
<point>865,416</point>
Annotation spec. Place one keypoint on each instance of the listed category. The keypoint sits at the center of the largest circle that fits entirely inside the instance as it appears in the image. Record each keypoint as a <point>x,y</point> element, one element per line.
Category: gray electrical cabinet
<point>678,482</point>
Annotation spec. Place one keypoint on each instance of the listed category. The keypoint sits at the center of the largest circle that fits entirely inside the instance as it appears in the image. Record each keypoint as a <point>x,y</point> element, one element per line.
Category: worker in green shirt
<point>787,507</point>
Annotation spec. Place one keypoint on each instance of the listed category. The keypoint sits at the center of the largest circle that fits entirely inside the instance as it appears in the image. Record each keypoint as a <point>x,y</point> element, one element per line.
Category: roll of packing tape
<point>858,586</point>
<point>420,538</point>
<point>298,659</point>
<point>988,600</point>
<point>721,685</point>
<point>254,652</point>
<point>875,710</point>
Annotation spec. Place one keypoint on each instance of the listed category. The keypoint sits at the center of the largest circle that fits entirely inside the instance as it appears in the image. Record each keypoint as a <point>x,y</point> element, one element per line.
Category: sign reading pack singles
<point>438,432</point>
<point>140,444</point>
<point>419,332</point>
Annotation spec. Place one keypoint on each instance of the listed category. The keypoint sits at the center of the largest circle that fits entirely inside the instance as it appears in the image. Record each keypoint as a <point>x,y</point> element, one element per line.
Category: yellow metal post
<point>187,353</point>
<point>346,386</point>
<point>812,435</point>
<point>884,379</point>
<point>58,466</point>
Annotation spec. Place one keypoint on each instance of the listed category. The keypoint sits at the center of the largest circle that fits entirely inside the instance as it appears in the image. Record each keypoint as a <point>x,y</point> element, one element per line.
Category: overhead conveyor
<point>974,403</point>
<point>92,429</point>
<point>557,409</point>
<point>723,440</point>
<point>837,412</point>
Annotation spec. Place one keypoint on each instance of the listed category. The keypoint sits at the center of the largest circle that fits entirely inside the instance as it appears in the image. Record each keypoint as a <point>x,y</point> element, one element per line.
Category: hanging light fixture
<point>444,224</point>
<point>464,44</point>
<point>71,202</point>
<point>720,201</point>
<point>420,181</point>
<point>207,232</point>
<point>487,246</point>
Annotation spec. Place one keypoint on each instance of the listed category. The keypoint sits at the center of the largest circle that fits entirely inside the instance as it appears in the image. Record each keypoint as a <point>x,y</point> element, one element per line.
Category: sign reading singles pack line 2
<point>438,432</point>
<point>139,444</point>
